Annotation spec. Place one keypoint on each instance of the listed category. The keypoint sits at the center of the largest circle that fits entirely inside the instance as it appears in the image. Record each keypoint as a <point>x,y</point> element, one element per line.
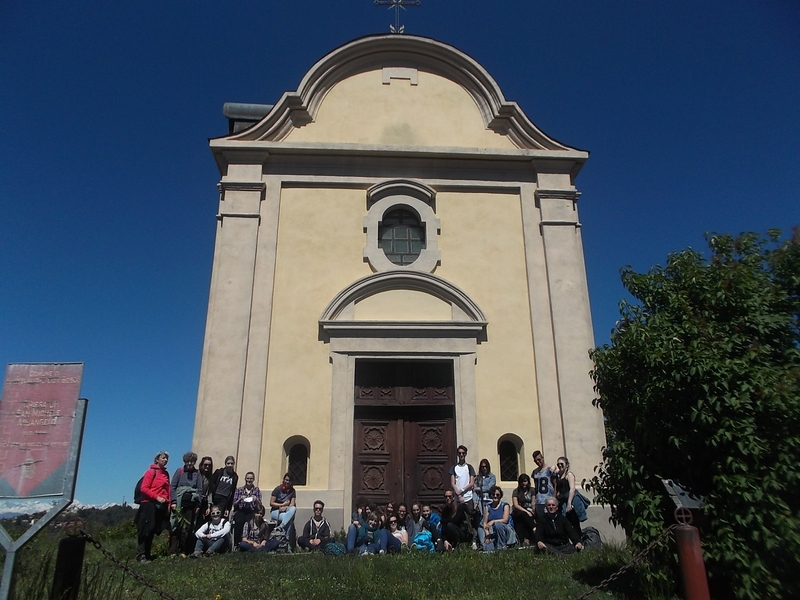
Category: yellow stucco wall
<point>319,252</point>
<point>436,112</point>
<point>402,305</point>
<point>320,241</point>
<point>483,253</point>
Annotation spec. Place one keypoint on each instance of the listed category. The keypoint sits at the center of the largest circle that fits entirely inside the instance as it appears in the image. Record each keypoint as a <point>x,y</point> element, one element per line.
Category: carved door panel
<point>428,449</point>
<point>377,472</point>
<point>403,458</point>
<point>404,435</point>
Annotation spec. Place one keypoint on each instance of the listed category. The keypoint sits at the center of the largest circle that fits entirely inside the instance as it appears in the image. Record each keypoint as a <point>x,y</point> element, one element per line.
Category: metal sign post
<point>41,431</point>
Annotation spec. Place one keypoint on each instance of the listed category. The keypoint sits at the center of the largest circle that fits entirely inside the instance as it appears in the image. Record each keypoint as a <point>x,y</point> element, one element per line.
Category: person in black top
<point>223,485</point>
<point>456,522</point>
<point>554,533</point>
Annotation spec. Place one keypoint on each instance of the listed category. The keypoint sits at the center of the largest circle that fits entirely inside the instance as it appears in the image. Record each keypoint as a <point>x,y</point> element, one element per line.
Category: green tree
<point>701,384</point>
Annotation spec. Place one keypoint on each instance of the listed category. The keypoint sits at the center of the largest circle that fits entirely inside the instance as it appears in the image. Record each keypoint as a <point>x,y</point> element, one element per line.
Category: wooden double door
<point>404,437</point>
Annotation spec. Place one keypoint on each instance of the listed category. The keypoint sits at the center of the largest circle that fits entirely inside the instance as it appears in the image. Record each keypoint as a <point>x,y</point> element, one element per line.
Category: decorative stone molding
<point>369,53</point>
<point>467,315</point>
<point>385,196</point>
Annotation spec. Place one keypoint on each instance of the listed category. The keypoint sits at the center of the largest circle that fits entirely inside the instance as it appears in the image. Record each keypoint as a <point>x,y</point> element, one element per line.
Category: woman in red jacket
<point>153,515</point>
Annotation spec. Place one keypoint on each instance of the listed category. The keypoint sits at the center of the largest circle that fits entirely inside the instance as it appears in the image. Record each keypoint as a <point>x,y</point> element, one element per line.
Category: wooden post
<point>69,565</point>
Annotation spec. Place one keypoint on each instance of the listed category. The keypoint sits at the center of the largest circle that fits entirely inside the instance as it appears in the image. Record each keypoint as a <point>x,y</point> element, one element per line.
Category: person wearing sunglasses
<point>496,532</point>
<point>456,523</point>
<point>212,537</point>
<point>317,531</point>
<point>571,501</point>
<point>396,537</point>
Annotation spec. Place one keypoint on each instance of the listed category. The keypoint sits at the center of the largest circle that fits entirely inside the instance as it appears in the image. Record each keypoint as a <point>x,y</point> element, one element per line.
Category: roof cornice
<point>298,108</point>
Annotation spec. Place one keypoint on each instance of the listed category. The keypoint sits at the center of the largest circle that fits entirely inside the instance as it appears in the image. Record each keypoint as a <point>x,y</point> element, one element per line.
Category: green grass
<point>457,575</point>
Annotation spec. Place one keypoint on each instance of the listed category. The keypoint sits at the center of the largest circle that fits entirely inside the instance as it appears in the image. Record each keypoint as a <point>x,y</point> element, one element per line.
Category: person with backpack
<point>317,531</point>
<point>212,537</point>
<point>187,492</point>
<point>153,514</point>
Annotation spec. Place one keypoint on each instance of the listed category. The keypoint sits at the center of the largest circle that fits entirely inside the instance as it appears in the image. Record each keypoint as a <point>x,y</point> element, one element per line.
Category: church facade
<point>398,270</point>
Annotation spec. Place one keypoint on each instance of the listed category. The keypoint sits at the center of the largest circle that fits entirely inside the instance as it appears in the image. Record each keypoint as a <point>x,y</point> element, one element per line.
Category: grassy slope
<point>461,574</point>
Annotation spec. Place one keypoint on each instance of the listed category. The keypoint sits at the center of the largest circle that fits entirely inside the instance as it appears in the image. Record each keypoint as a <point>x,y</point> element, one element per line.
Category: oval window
<point>401,236</point>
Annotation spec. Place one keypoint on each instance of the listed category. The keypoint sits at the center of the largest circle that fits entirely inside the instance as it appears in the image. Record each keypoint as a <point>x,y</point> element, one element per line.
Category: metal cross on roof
<point>397,5</point>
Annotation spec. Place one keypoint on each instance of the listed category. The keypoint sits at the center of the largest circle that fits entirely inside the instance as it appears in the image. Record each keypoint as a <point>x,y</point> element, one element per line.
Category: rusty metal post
<point>69,562</point>
<point>690,557</point>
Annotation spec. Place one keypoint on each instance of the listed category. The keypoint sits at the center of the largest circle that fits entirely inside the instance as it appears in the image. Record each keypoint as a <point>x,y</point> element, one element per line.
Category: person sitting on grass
<point>496,533</point>
<point>456,522</point>
<point>404,520</point>
<point>212,537</point>
<point>317,531</point>
<point>368,540</point>
<point>360,517</point>
<point>393,538</point>
<point>554,533</point>
<point>255,533</point>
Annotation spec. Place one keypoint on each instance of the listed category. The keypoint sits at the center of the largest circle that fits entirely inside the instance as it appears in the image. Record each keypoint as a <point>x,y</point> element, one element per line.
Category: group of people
<point>546,515</point>
<point>207,512</point>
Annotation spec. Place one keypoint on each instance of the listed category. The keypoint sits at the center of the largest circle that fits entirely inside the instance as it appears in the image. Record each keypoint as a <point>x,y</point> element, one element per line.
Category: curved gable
<point>399,90</point>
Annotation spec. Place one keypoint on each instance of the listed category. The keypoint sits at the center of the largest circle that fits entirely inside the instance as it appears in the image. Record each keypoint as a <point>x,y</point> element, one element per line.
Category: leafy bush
<point>701,384</point>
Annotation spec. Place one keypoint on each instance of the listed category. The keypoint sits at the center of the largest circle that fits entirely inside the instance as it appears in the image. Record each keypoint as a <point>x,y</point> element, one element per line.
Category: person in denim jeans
<point>212,538</point>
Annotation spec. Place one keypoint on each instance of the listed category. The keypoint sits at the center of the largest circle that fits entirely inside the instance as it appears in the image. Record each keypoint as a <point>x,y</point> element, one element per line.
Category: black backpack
<point>591,538</point>
<point>137,491</point>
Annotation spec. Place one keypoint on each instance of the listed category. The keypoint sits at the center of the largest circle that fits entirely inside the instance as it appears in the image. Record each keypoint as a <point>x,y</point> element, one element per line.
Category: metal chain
<point>125,567</point>
<point>636,559</point>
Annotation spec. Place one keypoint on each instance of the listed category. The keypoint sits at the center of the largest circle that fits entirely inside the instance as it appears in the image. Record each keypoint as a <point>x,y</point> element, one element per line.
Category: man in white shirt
<point>462,480</point>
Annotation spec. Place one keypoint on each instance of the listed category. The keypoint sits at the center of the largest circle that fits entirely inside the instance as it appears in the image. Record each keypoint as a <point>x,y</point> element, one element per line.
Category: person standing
<point>223,486</point>
<point>187,493</point>
<point>542,477</point>
<point>462,480</point>
<point>206,472</point>
<point>484,481</point>
<point>153,514</point>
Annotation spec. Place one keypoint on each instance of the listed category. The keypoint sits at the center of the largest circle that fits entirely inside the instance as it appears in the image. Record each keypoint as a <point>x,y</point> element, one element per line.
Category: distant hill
<point>95,516</point>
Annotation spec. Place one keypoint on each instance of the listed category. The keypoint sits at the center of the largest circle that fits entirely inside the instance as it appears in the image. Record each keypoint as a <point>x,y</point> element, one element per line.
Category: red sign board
<point>37,417</point>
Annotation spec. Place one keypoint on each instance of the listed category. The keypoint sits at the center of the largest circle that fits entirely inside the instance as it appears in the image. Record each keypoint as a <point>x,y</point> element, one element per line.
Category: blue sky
<point>691,112</point>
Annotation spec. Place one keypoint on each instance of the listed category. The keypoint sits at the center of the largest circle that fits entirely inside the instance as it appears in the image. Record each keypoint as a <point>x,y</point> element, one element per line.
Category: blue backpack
<point>424,541</point>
